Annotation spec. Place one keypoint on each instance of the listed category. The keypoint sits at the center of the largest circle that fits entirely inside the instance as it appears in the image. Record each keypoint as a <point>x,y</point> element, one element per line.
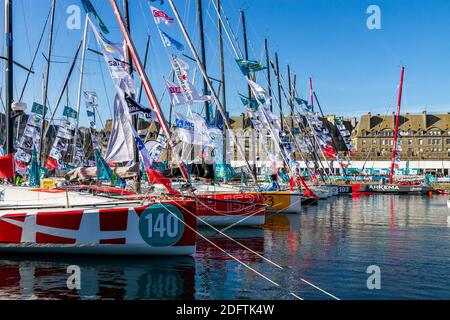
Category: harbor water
<point>323,253</point>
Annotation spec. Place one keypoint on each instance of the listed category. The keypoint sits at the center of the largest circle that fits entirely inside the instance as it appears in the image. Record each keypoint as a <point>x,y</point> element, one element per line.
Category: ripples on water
<point>330,246</point>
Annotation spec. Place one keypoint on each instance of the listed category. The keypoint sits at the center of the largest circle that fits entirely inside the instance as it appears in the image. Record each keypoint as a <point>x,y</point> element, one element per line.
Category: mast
<point>210,87</point>
<point>222,78</point>
<point>279,89</point>
<point>9,98</point>
<point>80,87</point>
<point>129,61</point>
<point>291,102</point>
<point>203,53</point>
<point>394,147</point>
<point>147,86</point>
<point>266,48</point>
<point>47,74</point>
<point>244,30</point>
<point>311,94</point>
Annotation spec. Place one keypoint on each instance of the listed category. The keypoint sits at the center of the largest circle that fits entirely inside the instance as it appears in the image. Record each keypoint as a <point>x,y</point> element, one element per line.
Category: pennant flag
<point>161,17</point>
<point>104,172</point>
<point>170,42</point>
<point>249,66</point>
<point>7,166</point>
<point>34,178</point>
<point>90,9</point>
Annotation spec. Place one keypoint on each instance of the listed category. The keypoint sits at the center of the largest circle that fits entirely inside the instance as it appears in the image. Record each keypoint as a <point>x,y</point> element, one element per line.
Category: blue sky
<point>355,70</point>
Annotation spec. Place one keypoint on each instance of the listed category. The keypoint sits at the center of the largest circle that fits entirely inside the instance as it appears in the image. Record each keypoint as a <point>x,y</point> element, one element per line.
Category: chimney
<point>424,120</point>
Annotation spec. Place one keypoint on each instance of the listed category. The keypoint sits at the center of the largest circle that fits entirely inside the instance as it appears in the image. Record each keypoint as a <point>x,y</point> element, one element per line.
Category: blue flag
<point>171,42</point>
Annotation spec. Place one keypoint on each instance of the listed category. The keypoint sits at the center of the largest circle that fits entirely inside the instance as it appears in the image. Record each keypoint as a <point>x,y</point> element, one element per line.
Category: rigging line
<point>236,259</point>
<point>222,250</point>
<point>230,238</point>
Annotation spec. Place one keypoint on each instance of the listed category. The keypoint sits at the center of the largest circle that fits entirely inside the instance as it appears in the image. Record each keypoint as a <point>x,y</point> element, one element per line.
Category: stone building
<point>421,136</point>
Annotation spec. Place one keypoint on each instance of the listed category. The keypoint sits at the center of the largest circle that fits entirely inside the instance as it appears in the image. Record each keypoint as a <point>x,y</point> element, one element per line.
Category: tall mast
<point>9,75</point>
<point>394,147</point>
<point>279,88</point>
<point>222,77</point>
<point>80,87</point>
<point>147,46</point>
<point>128,60</point>
<point>266,48</point>
<point>147,86</point>
<point>203,53</point>
<point>211,88</point>
<point>291,102</point>
<point>47,75</point>
<point>311,94</point>
<point>244,30</point>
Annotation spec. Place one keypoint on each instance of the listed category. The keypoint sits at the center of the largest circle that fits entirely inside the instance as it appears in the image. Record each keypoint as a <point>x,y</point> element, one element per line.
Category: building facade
<point>421,136</point>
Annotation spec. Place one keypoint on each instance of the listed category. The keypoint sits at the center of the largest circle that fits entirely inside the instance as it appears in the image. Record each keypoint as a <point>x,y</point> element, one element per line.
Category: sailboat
<point>58,220</point>
<point>391,187</point>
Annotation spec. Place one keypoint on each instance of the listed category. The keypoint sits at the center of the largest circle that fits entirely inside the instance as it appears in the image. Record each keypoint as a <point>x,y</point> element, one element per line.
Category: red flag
<point>51,163</point>
<point>7,166</point>
<point>328,151</point>
<point>156,177</point>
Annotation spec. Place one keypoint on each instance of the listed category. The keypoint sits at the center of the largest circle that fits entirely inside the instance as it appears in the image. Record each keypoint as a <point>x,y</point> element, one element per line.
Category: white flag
<point>161,17</point>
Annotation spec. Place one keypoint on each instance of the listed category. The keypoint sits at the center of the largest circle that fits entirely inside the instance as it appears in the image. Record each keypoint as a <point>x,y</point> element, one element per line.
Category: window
<point>420,142</point>
<point>364,142</point>
<point>375,141</point>
<point>410,141</point>
<point>448,141</point>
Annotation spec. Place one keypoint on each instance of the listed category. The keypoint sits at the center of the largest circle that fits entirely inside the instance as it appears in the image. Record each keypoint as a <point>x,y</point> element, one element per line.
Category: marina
<point>154,154</point>
<point>330,246</point>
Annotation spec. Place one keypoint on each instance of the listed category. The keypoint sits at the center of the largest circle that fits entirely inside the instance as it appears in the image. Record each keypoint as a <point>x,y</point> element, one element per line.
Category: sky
<point>354,69</point>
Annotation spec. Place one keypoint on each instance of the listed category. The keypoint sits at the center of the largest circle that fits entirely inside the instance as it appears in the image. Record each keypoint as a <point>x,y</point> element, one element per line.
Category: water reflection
<point>330,245</point>
<point>39,277</point>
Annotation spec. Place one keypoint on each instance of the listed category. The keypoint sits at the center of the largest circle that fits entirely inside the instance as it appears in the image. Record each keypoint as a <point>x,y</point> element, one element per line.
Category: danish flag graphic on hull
<point>158,229</point>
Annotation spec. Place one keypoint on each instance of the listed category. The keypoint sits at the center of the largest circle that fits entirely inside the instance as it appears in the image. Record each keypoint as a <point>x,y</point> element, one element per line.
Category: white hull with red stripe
<point>109,228</point>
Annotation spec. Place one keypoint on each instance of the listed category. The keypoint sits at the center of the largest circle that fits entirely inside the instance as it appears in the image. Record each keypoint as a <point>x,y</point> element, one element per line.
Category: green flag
<point>34,178</point>
<point>90,9</point>
<point>249,66</point>
<point>104,172</point>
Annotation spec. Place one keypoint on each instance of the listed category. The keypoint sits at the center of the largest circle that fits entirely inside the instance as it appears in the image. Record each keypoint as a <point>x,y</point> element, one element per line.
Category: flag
<point>154,176</point>
<point>51,163</point>
<point>194,130</point>
<point>176,94</point>
<point>7,166</point>
<point>34,179</point>
<point>70,113</point>
<point>328,151</point>
<point>161,17</point>
<point>134,107</point>
<point>104,172</point>
<point>249,66</point>
<point>170,42</point>
<point>259,93</point>
<point>161,1</point>
<point>90,9</point>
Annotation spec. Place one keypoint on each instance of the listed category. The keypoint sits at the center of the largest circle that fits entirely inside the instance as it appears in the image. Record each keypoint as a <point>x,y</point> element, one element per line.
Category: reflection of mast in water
<point>105,278</point>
